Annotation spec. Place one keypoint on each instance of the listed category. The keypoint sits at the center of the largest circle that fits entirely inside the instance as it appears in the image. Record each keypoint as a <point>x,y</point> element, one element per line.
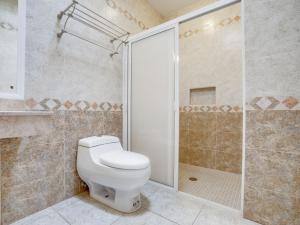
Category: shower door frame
<point>127,70</point>
<point>127,91</point>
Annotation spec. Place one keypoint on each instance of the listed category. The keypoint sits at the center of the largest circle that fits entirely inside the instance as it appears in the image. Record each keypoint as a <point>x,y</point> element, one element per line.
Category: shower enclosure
<point>211,101</point>
<point>183,102</point>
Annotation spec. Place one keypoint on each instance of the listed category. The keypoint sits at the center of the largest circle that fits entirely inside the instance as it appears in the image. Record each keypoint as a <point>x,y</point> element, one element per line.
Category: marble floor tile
<point>161,206</point>
<point>175,206</point>
<point>150,188</point>
<point>142,217</point>
<point>44,217</point>
<point>87,211</point>
<point>66,203</point>
<point>218,216</point>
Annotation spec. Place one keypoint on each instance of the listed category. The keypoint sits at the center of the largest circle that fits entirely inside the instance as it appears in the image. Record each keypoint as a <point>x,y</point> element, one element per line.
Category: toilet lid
<point>124,160</point>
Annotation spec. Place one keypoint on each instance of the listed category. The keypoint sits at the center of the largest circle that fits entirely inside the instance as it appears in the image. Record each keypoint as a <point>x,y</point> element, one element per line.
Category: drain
<point>193,179</point>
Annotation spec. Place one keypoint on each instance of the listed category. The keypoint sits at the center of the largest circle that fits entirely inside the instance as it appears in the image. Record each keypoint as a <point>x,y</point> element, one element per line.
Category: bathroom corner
<point>272,112</point>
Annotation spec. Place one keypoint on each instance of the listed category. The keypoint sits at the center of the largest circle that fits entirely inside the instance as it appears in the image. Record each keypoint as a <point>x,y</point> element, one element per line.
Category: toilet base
<point>124,201</point>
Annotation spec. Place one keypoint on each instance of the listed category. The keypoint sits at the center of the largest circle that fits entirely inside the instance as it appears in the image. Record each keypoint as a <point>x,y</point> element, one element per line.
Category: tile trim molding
<point>273,103</point>
<point>78,105</point>
<point>210,108</point>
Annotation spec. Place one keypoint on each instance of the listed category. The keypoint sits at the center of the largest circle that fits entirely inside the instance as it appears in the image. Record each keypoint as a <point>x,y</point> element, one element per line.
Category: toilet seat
<point>124,160</point>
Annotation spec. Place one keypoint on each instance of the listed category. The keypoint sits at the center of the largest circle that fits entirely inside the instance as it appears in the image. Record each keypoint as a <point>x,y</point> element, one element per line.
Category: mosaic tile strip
<point>223,23</point>
<point>210,108</point>
<point>273,103</point>
<point>128,15</point>
<point>79,105</point>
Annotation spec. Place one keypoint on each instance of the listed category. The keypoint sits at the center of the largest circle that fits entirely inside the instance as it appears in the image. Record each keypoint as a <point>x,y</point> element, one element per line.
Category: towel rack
<point>82,14</point>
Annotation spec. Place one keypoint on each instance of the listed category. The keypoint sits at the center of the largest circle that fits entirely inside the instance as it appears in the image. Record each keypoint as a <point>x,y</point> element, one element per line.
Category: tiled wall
<point>272,191</point>
<point>210,50</point>
<point>211,56</point>
<point>81,84</point>
<point>272,182</point>
<point>77,69</point>
<point>39,171</point>
<point>211,140</point>
<point>186,9</point>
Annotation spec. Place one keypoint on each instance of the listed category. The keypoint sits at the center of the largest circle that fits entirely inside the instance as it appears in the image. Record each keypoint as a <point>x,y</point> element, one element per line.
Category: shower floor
<point>214,185</point>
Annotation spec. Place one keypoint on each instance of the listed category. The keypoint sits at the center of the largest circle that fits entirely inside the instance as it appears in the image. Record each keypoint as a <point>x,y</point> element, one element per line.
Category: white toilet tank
<point>101,144</point>
<point>92,147</point>
<point>96,141</point>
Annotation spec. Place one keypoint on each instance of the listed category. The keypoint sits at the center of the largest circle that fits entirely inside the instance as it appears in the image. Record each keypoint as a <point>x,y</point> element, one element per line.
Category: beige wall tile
<point>48,161</point>
<point>265,28</point>
<point>272,178</point>
<point>183,138</point>
<point>229,122</point>
<point>32,177</point>
<point>271,208</point>
<point>23,126</point>
<point>207,46</point>
<point>229,162</point>
<point>277,172</point>
<point>184,120</point>
<point>202,158</point>
<point>202,140</point>
<point>230,142</point>
<point>273,131</point>
<point>212,140</point>
<point>70,65</point>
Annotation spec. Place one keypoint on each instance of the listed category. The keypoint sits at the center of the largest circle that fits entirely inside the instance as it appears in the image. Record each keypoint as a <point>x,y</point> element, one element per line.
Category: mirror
<point>12,45</point>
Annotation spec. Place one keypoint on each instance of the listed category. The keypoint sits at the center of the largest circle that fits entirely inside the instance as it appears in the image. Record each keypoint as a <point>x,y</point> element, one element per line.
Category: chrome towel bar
<point>85,16</point>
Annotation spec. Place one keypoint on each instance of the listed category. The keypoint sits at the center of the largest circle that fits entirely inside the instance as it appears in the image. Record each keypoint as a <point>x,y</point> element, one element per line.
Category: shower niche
<point>203,96</point>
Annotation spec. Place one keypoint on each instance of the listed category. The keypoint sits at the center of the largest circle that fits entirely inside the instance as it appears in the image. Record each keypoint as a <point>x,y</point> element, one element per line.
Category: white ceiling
<point>165,7</point>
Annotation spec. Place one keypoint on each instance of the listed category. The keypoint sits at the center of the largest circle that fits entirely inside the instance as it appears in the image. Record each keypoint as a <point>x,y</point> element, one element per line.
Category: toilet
<point>114,176</point>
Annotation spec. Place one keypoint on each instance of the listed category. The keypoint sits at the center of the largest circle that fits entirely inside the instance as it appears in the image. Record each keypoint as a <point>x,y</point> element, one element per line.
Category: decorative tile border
<point>273,103</point>
<point>257,103</point>
<point>221,24</point>
<point>210,108</point>
<point>80,105</point>
<point>128,15</point>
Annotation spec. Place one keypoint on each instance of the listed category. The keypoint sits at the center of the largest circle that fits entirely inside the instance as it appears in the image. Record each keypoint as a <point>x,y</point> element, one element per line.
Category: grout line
<point>162,216</point>
<point>117,219</point>
<point>57,213</point>
<point>160,187</point>
<point>61,216</point>
<point>197,216</point>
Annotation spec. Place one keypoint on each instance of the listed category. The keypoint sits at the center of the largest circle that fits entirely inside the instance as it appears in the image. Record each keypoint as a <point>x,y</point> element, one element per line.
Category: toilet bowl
<point>114,176</point>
